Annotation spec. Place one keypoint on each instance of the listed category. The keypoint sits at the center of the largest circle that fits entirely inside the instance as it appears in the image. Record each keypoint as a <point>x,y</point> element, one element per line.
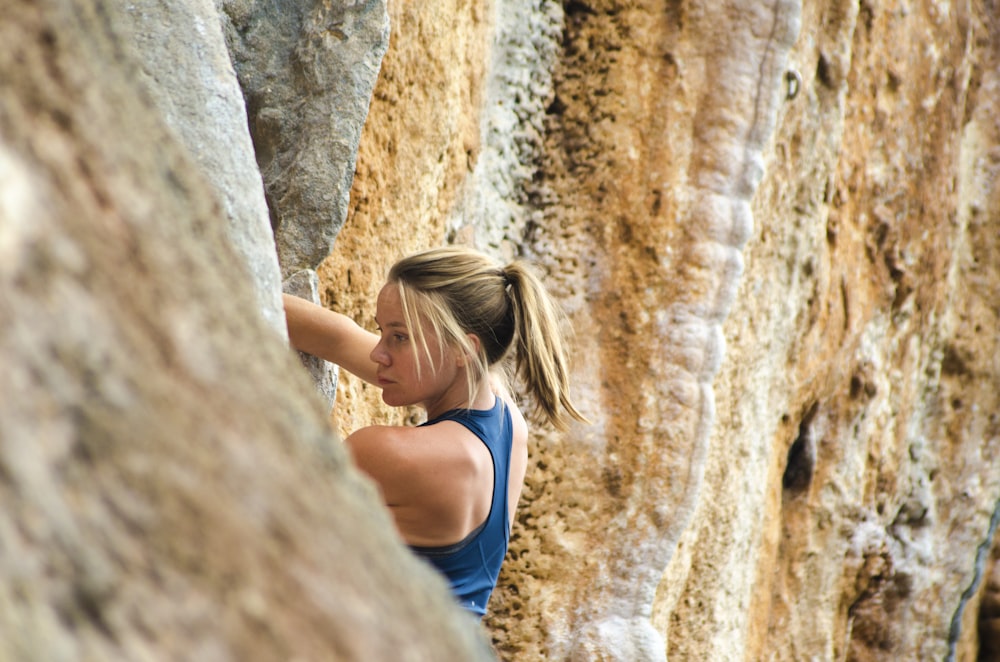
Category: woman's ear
<point>474,344</point>
<point>477,345</point>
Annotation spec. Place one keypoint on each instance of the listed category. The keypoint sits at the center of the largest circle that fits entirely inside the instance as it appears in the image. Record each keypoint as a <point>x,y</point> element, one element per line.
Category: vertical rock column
<point>307,71</point>
<point>187,68</point>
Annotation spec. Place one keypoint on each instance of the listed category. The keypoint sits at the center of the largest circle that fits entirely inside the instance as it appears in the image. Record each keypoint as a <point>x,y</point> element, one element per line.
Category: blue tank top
<point>472,565</point>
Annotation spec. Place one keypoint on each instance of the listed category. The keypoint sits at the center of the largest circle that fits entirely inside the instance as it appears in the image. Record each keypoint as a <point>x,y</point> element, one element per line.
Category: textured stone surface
<point>516,86</point>
<point>864,334</point>
<point>775,230</point>
<point>170,489</point>
<point>823,487</point>
<point>654,232</point>
<point>186,65</point>
<point>307,70</point>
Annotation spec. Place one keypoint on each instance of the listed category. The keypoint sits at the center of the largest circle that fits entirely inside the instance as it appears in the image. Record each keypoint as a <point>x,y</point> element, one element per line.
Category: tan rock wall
<point>815,185</point>
<point>876,350</point>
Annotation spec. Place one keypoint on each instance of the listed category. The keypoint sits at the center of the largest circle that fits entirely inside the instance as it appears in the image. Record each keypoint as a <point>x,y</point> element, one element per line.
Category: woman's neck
<point>457,397</point>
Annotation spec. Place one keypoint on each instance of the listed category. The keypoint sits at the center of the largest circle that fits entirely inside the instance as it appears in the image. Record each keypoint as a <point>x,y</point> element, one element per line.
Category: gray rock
<point>307,71</point>
<point>305,284</point>
<point>191,79</point>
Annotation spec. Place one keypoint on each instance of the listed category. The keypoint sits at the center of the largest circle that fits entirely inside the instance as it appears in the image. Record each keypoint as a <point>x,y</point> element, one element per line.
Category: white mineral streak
<point>19,206</point>
<point>735,118</point>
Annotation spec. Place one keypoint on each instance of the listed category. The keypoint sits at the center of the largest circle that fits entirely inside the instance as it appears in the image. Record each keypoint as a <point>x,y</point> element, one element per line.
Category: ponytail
<point>539,355</point>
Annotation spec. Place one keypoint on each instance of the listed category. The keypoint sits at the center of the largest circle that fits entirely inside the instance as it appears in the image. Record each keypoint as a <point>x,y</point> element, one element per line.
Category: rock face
<point>164,496</point>
<point>307,70</point>
<point>855,470</point>
<point>186,65</point>
<point>775,231</point>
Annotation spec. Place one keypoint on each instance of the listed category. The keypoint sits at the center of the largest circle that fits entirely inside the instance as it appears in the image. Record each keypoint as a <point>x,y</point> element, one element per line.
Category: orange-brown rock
<point>815,185</point>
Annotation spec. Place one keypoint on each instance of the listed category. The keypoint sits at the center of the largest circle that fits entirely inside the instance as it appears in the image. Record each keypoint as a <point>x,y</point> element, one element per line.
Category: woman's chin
<point>388,399</point>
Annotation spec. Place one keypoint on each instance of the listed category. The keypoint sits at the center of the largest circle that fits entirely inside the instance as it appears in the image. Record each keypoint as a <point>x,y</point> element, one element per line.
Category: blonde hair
<point>460,291</point>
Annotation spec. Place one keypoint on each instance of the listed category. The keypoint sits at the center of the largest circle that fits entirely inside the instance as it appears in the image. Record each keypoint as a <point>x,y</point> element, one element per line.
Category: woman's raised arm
<point>337,338</point>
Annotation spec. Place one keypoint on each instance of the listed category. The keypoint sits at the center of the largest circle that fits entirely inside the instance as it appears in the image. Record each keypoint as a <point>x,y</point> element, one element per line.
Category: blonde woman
<point>448,320</point>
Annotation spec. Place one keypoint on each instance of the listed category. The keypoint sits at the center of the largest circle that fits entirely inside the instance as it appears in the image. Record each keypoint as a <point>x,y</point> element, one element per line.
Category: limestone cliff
<point>774,228</point>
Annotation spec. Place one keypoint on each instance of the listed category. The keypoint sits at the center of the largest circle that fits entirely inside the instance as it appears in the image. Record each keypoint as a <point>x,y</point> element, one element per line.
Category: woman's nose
<point>379,355</point>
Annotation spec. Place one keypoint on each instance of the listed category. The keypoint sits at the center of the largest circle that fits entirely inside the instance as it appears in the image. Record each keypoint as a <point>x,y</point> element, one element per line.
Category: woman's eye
<point>400,338</point>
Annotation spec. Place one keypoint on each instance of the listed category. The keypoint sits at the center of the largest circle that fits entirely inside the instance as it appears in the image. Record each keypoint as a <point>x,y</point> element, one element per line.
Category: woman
<point>448,318</point>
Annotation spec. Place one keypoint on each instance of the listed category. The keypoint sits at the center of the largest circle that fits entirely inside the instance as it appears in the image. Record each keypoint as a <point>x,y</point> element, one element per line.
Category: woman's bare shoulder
<point>406,437</point>
<point>392,452</point>
<point>429,476</point>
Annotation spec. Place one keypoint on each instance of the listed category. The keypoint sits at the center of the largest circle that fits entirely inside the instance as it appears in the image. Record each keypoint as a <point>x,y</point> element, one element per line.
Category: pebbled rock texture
<point>854,469</point>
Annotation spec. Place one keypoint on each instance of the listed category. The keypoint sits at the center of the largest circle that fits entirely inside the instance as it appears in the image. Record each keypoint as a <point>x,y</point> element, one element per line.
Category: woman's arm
<point>337,338</point>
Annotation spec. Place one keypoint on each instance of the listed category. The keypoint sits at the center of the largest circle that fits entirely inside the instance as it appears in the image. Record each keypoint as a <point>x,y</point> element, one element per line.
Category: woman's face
<point>440,379</point>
